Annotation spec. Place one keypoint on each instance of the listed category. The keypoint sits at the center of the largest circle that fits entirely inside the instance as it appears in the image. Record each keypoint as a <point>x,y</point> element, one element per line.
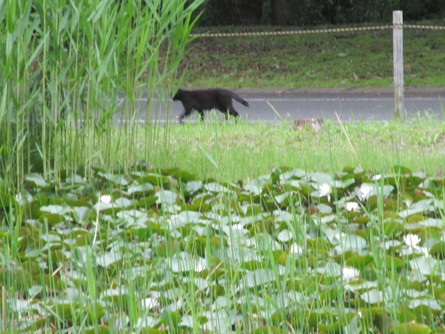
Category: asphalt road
<point>271,105</point>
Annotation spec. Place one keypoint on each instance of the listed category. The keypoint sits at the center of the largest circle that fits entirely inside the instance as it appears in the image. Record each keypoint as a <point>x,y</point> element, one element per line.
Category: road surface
<point>271,105</point>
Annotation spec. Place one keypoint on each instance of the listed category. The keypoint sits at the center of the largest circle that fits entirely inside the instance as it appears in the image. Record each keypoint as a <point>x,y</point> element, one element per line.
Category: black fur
<point>207,99</point>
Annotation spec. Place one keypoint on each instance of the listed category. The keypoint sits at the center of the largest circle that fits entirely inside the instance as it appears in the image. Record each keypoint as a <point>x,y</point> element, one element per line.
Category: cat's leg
<point>184,114</point>
<point>225,112</point>
<point>201,115</point>
<point>228,111</point>
<point>231,110</point>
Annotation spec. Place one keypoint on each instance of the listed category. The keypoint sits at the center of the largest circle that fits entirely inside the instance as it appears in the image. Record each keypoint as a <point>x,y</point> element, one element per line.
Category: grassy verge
<point>317,60</point>
<point>228,152</point>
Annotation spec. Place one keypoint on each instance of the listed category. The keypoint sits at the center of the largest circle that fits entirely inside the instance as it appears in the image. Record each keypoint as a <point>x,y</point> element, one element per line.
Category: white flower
<point>150,303</point>
<point>294,248</point>
<point>411,240</point>
<point>199,267</point>
<point>349,273</point>
<point>237,226</point>
<point>352,206</point>
<point>408,202</point>
<point>325,190</point>
<point>105,199</point>
<point>376,177</point>
<point>173,218</point>
<point>424,250</point>
<point>365,191</point>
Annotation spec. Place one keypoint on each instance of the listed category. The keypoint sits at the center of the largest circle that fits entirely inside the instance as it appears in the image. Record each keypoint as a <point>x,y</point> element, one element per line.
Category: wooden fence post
<point>397,21</point>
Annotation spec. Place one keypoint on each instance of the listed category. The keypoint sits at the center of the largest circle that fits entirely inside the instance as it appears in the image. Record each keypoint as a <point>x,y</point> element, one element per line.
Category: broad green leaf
<point>114,294</point>
<point>220,321</point>
<point>285,236</point>
<point>153,178</point>
<point>283,216</point>
<point>110,258</point>
<point>343,184</point>
<point>425,265</point>
<point>432,222</point>
<point>331,269</point>
<point>373,296</point>
<point>179,174</point>
<point>82,214</point>
<point>216,187</point>
<point>256,186</point>
<point>293,174</point>
<point>166,197</point>
<point>187,321</point>
<point>263,242</point>
<point>221,302</point>
<point>18,305</point>
<point>183,218</point>
<point>183,262</point>
<point>259,277</point>
<point>193,186</point>
<point>412,293</point>
<point>352,242</point>
<point>51,238</point>
<point>438,250</point>
<point>418,207</point>
<point>133,217</point>
<point>429,303</point>
<point>321,178</point>
<point>37,180</point>
<point>410,328</point>
<point>56,209</point>
<point>361,287</point>
<point>140,189</point>
<point>116,179</point>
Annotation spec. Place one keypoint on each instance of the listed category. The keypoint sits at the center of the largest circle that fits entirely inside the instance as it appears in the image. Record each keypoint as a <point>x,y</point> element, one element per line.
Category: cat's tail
<point>239,99</point>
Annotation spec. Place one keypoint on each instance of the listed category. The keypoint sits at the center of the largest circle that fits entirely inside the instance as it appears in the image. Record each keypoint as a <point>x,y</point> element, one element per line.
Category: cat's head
<point>178,94</point>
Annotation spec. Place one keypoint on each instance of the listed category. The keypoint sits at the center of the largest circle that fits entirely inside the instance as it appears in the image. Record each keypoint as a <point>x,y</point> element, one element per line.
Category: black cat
<point>207,99</point>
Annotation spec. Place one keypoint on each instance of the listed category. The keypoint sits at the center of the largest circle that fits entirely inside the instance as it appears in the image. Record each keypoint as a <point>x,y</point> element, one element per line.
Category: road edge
<point>387,90</point>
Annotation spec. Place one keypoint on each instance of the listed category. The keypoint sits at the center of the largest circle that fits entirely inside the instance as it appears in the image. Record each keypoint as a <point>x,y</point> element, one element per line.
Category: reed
<point>68,69</point>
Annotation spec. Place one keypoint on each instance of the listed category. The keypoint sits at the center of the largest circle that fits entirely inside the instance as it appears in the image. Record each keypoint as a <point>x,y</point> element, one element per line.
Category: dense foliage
<point>164,252</point>
<point>309,12</point>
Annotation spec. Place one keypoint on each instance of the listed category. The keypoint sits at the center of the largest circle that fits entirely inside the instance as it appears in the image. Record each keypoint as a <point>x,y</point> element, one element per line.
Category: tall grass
<point>68,67</point>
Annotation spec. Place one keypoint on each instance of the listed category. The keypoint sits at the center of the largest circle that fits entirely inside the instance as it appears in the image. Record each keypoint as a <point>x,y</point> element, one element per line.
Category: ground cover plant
<point>159,251</point>
<point>356,59</point>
